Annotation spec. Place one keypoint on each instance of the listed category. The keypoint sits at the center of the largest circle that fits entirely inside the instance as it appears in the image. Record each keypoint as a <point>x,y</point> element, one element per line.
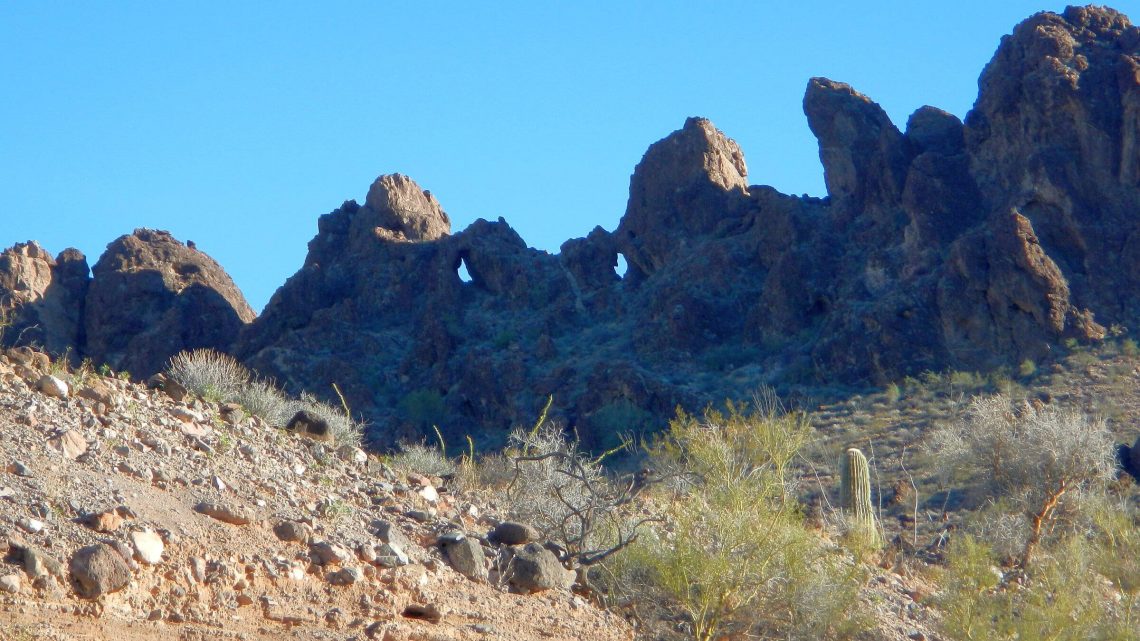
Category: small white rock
<point>429,493</point>
<point>148,546</point>
<point>52,386</point>
<point>10,583</point>
<point>31,526</point>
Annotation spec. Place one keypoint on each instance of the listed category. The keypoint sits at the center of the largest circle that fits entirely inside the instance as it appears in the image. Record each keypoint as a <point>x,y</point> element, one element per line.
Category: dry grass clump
<point>422,459</point>
<point>212,375</point>
<point>220,378</point>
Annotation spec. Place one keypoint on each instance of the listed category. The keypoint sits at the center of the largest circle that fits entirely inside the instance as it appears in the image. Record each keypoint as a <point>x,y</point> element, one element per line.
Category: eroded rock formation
<point>151,297</point>
<point>950,244</point>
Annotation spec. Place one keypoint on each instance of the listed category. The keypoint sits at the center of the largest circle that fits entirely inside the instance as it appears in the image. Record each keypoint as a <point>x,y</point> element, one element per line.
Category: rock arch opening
<point>622,267</point>
<point>461,270</point>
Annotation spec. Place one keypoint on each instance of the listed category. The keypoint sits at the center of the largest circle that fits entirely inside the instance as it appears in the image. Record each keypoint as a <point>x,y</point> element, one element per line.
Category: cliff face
<point>948,244</point>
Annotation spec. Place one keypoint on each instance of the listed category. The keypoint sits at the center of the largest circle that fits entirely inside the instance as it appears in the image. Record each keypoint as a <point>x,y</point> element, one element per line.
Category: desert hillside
<point>908,410</point>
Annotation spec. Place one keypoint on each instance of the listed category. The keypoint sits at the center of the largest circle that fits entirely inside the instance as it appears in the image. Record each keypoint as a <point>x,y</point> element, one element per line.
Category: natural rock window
<point>461,271</point>
<point>622,266</point>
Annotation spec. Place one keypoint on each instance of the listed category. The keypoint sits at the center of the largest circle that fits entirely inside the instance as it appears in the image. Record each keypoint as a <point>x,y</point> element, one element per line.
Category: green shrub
<point>892,394</point>
<point>1027,368</point>
<point>617,422</point>
<point>734,554</point>
<point>424,408</point>
<point>1061,597</point>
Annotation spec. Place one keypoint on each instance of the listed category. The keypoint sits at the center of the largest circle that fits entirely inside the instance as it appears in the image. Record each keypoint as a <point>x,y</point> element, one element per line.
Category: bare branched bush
<point>1039,459</point>
<point>212,375</point>
<point>567,495</point>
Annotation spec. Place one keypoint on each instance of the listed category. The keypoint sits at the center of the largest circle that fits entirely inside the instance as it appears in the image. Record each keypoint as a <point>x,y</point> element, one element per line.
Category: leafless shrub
<point>1038,458</point>
<point>566,495</point>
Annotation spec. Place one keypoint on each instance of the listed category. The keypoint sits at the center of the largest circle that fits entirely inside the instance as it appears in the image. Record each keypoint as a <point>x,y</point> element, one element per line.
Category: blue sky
<point>237,126</point>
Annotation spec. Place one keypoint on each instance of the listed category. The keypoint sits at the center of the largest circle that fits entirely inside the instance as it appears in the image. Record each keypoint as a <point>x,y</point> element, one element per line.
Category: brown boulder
<point>153,297</point>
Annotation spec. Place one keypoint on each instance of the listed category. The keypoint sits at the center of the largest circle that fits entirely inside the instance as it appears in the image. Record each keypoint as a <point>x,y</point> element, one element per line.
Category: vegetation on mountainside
<point>220,378</point>
<point>715,525</point>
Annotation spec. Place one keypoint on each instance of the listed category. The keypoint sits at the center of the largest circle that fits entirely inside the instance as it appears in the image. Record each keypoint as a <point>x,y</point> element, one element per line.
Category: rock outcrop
<point>151,297</point>
<point>41,298</point>
<point>969,244</point>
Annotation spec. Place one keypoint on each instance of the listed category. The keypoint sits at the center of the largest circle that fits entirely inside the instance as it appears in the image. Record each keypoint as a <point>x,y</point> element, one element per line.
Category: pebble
<point>31,526</point>
<point>10,583</point>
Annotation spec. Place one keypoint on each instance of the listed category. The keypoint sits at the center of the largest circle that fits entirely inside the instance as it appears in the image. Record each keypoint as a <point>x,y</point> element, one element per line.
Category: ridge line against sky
<point>237,126</point>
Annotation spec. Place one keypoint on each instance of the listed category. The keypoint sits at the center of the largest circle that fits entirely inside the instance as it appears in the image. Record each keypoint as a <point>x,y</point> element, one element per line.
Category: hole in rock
<point>622,266</point>
<point>461,270</point>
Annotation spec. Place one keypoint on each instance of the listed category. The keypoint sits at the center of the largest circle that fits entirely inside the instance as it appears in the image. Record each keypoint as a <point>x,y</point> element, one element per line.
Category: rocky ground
<point>128,514</point>
<point>125,514</point>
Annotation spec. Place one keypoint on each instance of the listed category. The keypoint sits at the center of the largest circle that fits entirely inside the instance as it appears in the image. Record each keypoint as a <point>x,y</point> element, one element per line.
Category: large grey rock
<point>466,556</point>
<point>98,570</point>
<point>533,568</point>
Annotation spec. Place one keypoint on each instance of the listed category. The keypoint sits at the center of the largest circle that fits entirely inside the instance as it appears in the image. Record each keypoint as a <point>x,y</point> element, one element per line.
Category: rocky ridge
<point>948,244</point>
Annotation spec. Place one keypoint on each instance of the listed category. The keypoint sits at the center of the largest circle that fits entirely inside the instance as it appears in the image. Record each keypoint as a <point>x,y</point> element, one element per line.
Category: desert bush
<point>262,398</point>
<point>566,494</point>
<point>212,375</point>
<point>419,458</point>
<point>1039,459</point>
<point>342,426</point>
<point>615,422</point>
<point>1063,597</point>
<point>424,408</point>
<point>221,379</point>
<point>734,553</point>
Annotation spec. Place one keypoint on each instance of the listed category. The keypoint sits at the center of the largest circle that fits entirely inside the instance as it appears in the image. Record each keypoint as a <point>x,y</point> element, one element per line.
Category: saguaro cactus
<point>856,491</point>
